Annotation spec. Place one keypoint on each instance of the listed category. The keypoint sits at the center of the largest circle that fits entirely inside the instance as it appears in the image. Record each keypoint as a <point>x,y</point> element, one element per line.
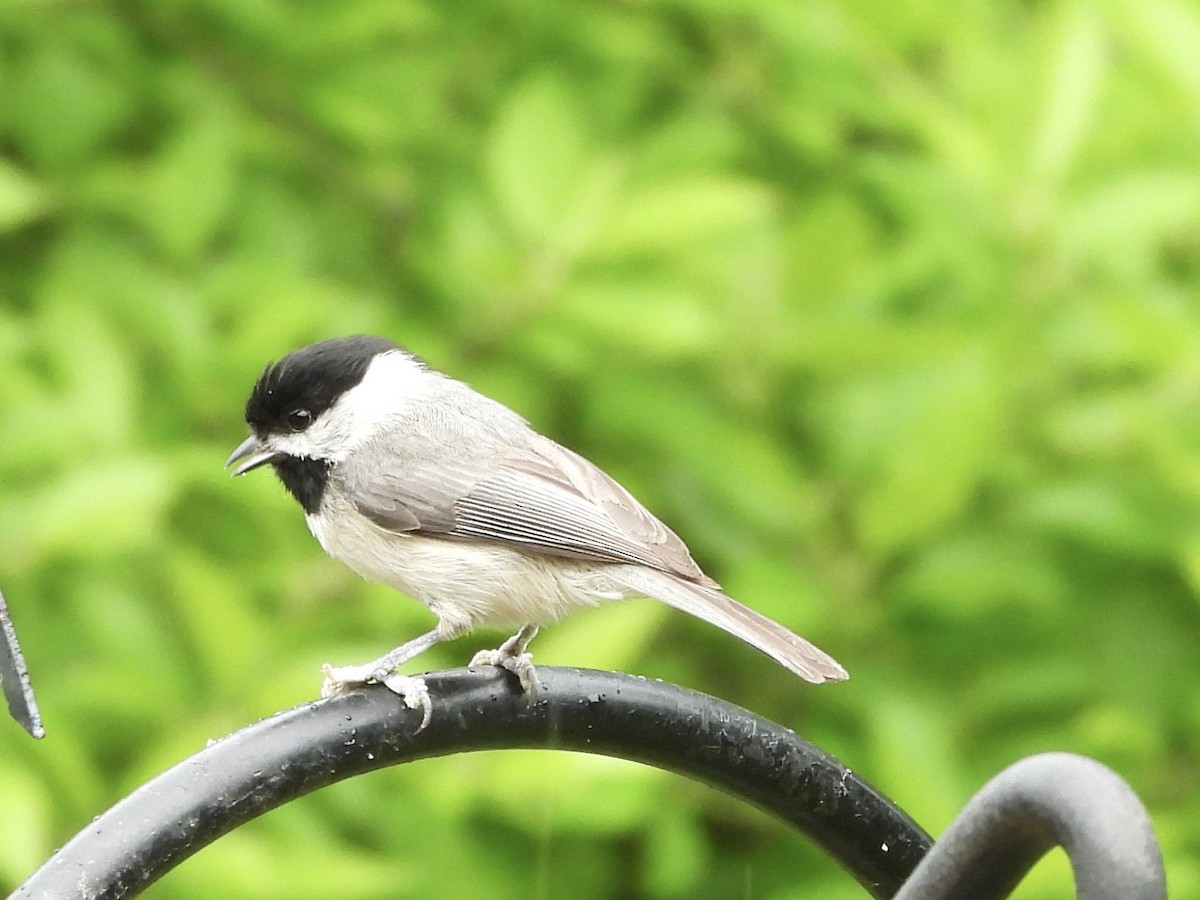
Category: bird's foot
<point>520,665</point>
<point>513,657</point>
<point>411,689</point>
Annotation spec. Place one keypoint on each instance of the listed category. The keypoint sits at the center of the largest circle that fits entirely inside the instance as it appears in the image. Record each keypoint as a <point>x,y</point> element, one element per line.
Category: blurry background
<point>890,309</point>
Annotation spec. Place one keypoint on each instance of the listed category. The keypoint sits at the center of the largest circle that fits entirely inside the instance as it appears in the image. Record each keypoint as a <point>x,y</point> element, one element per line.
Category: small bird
<point>417,481</point>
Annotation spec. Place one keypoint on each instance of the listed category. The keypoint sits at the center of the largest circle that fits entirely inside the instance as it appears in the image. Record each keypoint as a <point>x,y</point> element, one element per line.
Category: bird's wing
<point>542,497</point>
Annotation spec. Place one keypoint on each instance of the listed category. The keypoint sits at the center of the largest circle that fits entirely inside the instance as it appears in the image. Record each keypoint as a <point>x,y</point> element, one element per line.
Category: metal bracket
<point>1033,806</point>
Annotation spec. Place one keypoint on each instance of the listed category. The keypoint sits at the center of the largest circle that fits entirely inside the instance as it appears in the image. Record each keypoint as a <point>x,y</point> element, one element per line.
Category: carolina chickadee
<point>417,481</point>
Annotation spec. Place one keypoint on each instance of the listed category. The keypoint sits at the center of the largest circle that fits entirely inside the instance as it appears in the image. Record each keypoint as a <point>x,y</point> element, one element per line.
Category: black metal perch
<point>308,747</point>
<point>305,748</point>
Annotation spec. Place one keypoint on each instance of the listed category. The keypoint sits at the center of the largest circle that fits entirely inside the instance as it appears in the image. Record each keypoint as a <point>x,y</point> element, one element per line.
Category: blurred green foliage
<point>889,308</point>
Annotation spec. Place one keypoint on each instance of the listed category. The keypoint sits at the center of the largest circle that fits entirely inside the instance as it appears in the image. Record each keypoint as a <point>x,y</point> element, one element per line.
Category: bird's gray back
<point>464,467</point>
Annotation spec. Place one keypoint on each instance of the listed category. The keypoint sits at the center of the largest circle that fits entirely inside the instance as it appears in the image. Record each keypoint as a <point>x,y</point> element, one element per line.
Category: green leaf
<point>670,216</point>
<point>62,103</point>
<point>1073,93</point>
<point>106,507</point>
<point>189,185</point>
<point>916,444</point>
<point>537,152</point>
<point>22,199</point>
<point>26,806</point>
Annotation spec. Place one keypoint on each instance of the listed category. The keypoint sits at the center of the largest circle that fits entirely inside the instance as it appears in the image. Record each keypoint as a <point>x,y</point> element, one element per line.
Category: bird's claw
<point>411,689</point>
<point>519,664</point>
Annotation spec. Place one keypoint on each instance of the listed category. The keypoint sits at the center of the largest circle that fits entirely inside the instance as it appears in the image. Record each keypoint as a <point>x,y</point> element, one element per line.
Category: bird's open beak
<point>254,454</point>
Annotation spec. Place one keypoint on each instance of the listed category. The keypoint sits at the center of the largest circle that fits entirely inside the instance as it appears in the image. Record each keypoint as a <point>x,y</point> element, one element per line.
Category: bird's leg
<point>379,669</point>
<point>383,670</point>
<point>514,656</point>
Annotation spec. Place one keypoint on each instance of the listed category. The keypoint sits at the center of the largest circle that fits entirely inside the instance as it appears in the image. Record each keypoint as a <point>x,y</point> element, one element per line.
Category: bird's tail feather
<point>789,650</point>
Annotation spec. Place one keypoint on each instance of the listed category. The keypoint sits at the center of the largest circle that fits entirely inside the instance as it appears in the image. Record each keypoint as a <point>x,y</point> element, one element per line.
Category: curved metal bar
<point>305,748</point>
<point>1044,801</point>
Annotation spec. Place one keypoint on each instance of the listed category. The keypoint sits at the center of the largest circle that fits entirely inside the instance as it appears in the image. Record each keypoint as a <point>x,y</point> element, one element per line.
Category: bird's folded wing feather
<point>542,497</point>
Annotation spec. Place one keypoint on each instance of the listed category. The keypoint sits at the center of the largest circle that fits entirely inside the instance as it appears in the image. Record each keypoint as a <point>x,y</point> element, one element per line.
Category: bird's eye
<point>299,419</point>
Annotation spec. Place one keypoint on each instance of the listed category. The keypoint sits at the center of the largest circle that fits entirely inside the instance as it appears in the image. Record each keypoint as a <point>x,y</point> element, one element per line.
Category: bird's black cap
<point>311,378</point>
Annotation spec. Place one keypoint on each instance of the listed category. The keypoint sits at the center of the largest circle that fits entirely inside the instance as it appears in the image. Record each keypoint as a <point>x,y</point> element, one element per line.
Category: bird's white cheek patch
<point>390,384</point>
